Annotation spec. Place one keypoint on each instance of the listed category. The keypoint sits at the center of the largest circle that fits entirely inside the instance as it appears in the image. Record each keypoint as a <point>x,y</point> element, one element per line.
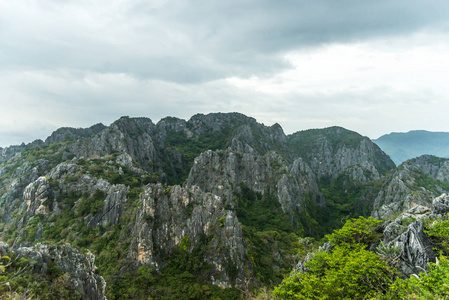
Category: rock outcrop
<point>415,182</point>
<point>221,173</point>
<point>77,270</point>
<point>183,217</point>
<point>409,249</point>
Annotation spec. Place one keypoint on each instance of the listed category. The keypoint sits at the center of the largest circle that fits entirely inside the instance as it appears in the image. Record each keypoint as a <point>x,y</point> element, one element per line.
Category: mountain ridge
<point>220,191</point>
<point>402,146</point>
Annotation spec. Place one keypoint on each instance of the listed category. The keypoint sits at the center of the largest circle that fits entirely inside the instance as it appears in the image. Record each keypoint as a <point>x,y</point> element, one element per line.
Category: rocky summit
<point>216,206</point>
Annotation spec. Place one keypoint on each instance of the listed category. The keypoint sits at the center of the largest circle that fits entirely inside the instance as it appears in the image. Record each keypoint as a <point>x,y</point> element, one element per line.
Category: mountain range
<point>209,207</point>
<point>401,146</point>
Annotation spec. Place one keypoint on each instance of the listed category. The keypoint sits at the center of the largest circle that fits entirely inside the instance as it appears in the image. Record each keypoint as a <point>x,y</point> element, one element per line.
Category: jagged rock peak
<point>64,133</point>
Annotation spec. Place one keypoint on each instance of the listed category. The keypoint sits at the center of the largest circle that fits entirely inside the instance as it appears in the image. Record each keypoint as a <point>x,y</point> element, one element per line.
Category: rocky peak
<point>65,133</point>
<point>9,152</point>
<point>218,121</point>
<point>436,167</point>
<point>331,151</point>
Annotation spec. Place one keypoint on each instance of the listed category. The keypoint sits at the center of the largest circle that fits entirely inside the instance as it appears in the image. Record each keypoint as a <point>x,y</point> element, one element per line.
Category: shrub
<point>431,285</point>
<point>349,272</point>
<point>439,232</point>
<point>360,230</point>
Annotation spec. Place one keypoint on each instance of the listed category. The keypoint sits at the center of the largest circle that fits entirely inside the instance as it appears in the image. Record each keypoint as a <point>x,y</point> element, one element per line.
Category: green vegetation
<point>20,277</point>
<point>348,272</point>
<point>185,276</point>
<point>92,205</point>
<point>274,240</point>
<point>356,231</point>
<point>268,230</point>
<point>423,180</point>
<point>345,200</point>
<point>438,231</point>
<point>304,141</point>
<point>191,148</point>
<point>433,284</point>
<point>263,213</point>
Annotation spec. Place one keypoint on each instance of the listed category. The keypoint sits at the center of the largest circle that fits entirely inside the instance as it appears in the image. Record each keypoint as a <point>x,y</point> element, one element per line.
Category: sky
<point>374,67</point>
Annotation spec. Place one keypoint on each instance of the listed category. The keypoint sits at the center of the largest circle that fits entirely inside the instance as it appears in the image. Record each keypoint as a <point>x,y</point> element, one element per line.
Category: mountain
<point>415,182</point>
<point>403,146</point>
<point>209,206</point>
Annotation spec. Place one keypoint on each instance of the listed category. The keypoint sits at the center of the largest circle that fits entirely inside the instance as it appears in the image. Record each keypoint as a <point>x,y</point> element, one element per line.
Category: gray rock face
<point>331,161</point>
<point>9,152</point>
<point>407,186</point>
<point>126,135</point>
<point>331,151</point>
<point>35,196</point>
<point>221,172</point>
<point>180,217</point>
<point>440,205</point>
<point>407,235</point>
<point>436,167</point>
<point>165,218</point>
<point>80,269</point>
<point>415,249</point>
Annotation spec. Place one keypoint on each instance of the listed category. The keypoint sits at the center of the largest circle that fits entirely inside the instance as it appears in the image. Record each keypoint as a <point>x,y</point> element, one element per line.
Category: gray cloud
<point>194,41</point>
<point>78,62</point>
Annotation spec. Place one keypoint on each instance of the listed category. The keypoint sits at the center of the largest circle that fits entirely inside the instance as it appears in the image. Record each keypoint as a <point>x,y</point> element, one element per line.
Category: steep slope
<point>403,146</point>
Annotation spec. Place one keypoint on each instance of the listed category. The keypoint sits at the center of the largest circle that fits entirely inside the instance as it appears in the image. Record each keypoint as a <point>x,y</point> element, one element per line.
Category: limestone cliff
<point>139,194</point>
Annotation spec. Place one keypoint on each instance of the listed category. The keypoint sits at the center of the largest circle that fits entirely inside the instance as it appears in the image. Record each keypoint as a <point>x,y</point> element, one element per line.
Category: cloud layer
<point>371,66</point>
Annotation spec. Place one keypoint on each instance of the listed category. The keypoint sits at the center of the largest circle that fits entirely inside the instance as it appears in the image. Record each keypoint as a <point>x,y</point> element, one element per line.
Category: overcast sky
<point>374,67</point>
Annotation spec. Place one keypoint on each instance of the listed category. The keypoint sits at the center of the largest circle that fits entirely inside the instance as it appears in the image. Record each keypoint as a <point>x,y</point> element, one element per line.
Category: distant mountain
<point>402,146</point>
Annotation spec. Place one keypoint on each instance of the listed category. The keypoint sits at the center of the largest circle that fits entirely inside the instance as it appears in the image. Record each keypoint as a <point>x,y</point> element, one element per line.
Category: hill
<point>403,146</point>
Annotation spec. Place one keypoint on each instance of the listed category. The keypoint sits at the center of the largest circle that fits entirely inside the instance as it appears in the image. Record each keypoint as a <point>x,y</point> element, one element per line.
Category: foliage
<point>184,277</point>
<point>21,278</point>
<point>388,254</point>
<point>439,232</point>
<point>261,213</point>
<point>356,231</point>
<point>191,148</point>
<point>433,284</point>
<point>348,272</point>
<point>304,141</point>
<point>93,204</point>
<point>268,230</point>
<point>424,180</point>
<point>345,199</point>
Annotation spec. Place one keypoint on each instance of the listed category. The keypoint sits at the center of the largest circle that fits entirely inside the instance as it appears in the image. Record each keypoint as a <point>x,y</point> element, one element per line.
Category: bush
<point>361,230</point>
<point>431,285</point>
<point>349,272</point>
<point>439,232</point>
